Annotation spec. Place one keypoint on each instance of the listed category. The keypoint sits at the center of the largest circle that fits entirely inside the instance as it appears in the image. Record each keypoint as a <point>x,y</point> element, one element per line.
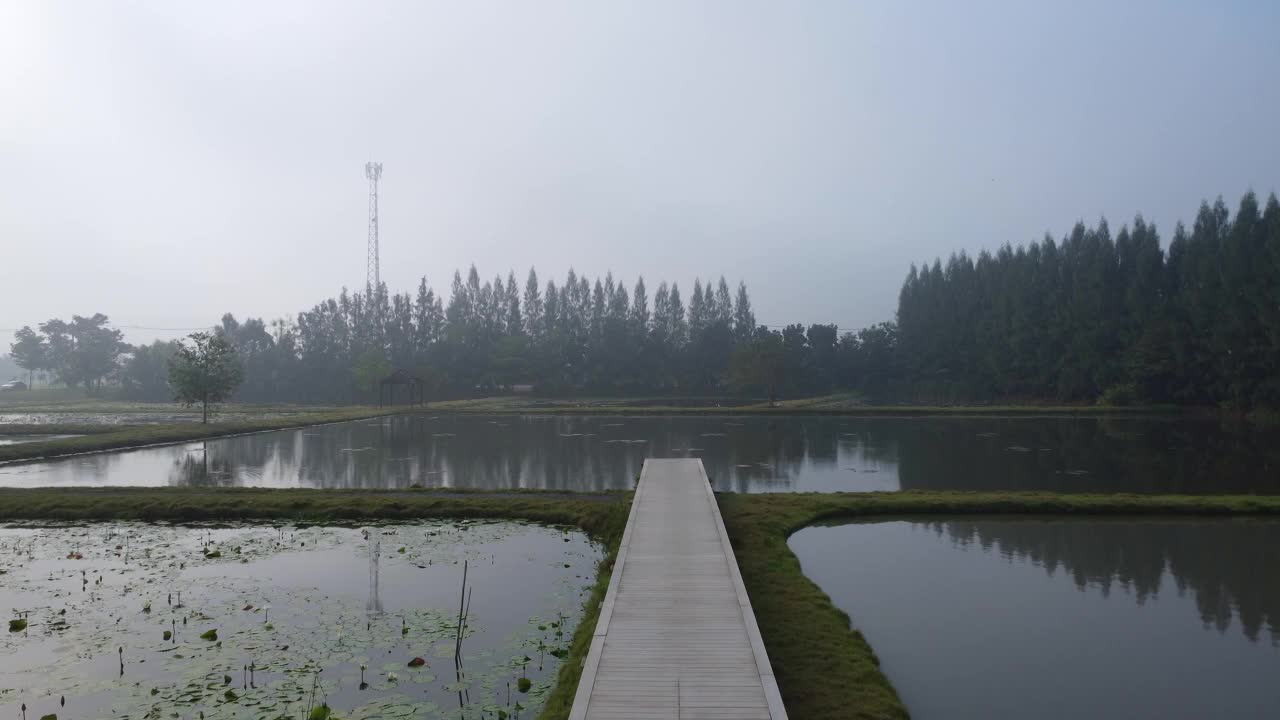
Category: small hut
<point>416,385</point>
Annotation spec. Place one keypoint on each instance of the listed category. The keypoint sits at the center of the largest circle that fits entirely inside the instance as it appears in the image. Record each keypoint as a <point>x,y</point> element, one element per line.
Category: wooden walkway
<point>676,636</point>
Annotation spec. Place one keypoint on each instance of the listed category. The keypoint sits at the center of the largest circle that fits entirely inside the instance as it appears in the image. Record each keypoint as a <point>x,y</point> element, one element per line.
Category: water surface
<point>1047,618</point>
<point>741,453</point>
<point>115,617</point>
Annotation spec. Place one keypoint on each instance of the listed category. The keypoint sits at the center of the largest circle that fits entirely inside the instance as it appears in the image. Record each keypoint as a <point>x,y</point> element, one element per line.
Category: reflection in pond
<point>1063,618</point>
<point>136,620</point>
<point>741,453</point>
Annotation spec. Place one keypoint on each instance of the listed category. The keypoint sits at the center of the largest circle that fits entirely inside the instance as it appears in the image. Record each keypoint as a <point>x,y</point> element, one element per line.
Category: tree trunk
<point>205,406</point>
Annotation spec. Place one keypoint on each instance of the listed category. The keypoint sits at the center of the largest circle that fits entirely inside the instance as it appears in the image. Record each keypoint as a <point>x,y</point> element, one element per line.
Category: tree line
<point>1091,317</point>
<point>577,335</point>
<point>1101,317</point>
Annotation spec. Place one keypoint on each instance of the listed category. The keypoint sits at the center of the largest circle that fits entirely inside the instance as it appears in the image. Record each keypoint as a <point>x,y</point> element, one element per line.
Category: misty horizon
<point>170,164</point>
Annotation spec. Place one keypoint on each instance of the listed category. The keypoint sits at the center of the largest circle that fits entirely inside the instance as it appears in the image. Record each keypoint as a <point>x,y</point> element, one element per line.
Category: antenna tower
<point>373,171</point>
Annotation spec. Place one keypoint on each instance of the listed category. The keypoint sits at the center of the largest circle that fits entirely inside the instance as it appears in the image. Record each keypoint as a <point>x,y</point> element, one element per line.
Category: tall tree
<point>533,323</point>
<point>744,319</point>
<point>83,351</point>
<point>30,351</point>
<point>205,371</point>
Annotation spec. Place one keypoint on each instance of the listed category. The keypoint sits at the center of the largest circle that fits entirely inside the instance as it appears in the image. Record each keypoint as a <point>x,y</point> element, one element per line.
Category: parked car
<point>13,385</point>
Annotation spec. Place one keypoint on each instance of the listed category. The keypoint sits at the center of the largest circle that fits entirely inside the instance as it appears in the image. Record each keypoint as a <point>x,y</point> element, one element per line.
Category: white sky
<point>165,162</point>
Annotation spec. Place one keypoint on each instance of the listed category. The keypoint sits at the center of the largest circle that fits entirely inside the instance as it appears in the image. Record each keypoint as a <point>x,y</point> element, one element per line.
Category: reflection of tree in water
<point>549,452</point>
<point>244,460</point>
<point>1229,565</point>
<point>742,453</point>
<point>1151,455</point>
<point>195,468</point>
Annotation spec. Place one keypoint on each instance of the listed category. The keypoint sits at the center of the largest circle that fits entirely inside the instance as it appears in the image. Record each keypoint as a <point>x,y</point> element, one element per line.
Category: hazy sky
<point>165,162</point>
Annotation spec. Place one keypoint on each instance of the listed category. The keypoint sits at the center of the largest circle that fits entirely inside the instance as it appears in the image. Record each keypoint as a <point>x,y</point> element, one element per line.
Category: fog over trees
<point>1093,316</point>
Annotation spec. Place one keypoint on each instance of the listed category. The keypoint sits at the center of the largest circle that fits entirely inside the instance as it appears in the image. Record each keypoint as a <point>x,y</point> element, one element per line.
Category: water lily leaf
<point>209,635</point>
<point>320,713</point>
<point>523,684</point>
<point>17,625</point>
<point>417,662</point>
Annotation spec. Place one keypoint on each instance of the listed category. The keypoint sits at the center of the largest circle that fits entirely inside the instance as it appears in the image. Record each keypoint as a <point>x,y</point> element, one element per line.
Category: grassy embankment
<point>63,400</point>
<point>56,429</point>
<point>825,668</point>
<point>603,517</point>
<point>125,436</point>
<point>844,405</point>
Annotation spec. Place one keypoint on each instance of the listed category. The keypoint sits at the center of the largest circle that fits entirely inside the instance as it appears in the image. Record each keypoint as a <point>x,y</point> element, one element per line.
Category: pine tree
<point>723,305</point>
<point>744,320</point>
<point>640,309</point>
<point>533,320</point>
<point>515,321</point>
<point>698,316</point>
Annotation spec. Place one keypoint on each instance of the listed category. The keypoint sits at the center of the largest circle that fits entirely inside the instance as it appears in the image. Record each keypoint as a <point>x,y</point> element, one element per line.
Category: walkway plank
<point>676,636</point>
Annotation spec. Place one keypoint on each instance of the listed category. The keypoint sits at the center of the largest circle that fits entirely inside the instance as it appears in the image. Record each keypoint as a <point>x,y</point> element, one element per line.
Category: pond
<point>741,453</point>
<point>1063,618</point>
<point>127,620</point>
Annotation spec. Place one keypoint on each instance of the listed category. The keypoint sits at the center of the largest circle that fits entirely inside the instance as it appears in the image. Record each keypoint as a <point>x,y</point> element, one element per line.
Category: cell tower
<point>373,171</point>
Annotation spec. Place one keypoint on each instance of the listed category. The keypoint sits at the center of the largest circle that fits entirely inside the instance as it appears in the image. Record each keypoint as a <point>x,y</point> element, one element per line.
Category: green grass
<point>118,437</point>
<point>56,429</point>
<point>603,517</point>
<point>843,405</point>
<point>824,667</point>
<point>62,400</point>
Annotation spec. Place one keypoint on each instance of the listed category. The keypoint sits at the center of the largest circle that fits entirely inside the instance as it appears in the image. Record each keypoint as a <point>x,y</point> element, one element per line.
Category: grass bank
<point>603,517</point>
<point>824,666</point>
<point>60,400</point>
<point>55,429</point>
<point>118,437</point>
<point>827,405</point>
